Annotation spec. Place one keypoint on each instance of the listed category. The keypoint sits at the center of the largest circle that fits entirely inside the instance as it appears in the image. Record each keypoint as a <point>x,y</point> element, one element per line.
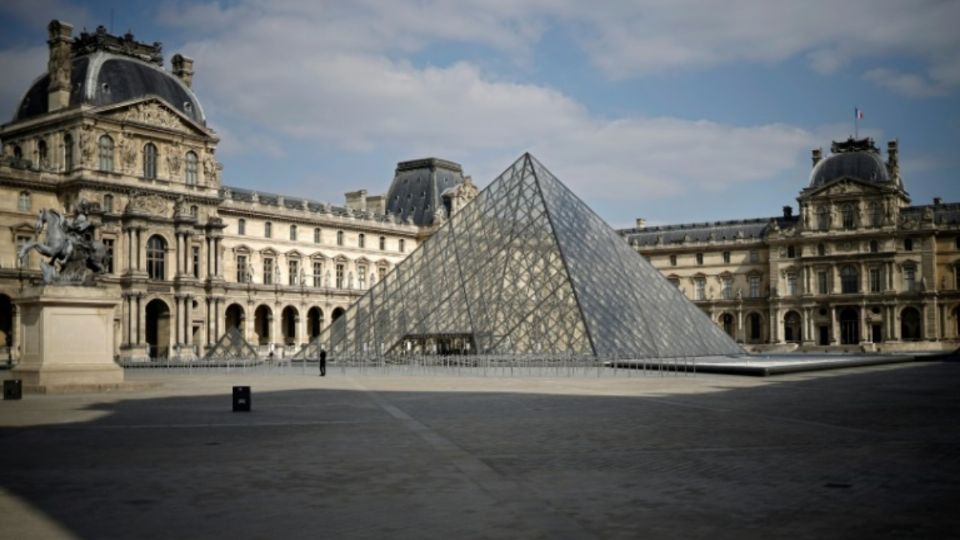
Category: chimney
<point>788,212</point>
<point>641,223</point>
<point>817,155</point>
<point>183,68</point>
<point>356,200</point>
<point>59,65</point>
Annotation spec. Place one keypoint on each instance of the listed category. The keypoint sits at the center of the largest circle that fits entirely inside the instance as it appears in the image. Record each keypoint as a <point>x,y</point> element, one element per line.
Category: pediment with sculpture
<point>146,205</point>
<point>155,113</point>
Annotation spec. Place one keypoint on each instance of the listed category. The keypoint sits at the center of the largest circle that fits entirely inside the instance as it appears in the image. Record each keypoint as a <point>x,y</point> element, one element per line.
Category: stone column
<point>208,323</point>
<point>141,315</point>
<point>219,316</point>
<point>834,325</point>
<point>187,324</point>
<point>866,334</point>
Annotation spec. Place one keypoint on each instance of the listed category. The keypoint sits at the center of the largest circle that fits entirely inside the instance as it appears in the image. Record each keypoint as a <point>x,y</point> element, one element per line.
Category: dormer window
<point>823,218</point>
<point>848,214</point>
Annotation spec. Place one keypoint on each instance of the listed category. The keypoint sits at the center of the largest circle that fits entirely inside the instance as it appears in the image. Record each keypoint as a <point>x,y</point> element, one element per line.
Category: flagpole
<point>856,122</point>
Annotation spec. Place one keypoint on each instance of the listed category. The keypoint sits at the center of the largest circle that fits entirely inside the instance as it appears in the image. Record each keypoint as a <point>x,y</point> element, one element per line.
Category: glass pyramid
<point>526,267</point>
<point>231,346</point>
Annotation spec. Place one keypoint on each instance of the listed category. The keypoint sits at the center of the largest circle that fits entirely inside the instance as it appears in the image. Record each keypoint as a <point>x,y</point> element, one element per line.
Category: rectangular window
<point>23,202</point>
<point>362,276</point>
<point>316,235</point>
<point>267,230</point>
<point>700,259</point>
<point>293,233</point>
<point>340,270</point>
<point>293,271</point>
<point>822,284</point>
<point>754,286</point>
<point>242,227</point>
<point>728,288</point>
<point>908,244</point>
<point>673,260</point>
<point>876,284</point>
<point>383,243</point>
<point>791,252</point>
<point>195,252</point>
<point>23,240</point>
<point>242,276</point>
<point>317,273</point>
<point>791,284</point>
<point>909,279</point>
<point>701,289</point>
<point>726,257</point>
<point>362,240</point>
<point>754,256</point>
<point>401,245</point>
<point>268,270</point>
<point>339,238</point>
<point>108,257</point>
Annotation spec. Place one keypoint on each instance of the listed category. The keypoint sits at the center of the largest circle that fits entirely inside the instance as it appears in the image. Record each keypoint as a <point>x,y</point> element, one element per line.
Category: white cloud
<point>270,73</point>
<point>907,84</point>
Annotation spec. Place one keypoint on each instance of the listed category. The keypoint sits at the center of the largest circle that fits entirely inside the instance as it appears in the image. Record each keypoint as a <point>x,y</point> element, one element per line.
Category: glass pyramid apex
<point>526,267</point>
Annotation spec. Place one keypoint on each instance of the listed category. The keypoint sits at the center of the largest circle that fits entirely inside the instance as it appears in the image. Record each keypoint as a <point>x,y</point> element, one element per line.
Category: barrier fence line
<point>502,366</point>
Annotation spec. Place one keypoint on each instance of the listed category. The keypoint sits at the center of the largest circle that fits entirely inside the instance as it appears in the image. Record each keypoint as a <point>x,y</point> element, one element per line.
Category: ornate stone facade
<point>858,269</point>
<point>187,256</point>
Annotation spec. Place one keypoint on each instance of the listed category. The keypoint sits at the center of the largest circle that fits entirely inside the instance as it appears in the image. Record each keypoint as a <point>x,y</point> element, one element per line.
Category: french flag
<point>857,113</point>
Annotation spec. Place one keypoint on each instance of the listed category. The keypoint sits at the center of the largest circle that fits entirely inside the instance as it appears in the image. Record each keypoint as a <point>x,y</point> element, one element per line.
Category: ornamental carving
<point>152,114</point>
<point>151,205</point>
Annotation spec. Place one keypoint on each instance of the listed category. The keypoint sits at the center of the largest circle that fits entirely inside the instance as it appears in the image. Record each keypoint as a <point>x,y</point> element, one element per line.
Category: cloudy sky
<point>672,110</point>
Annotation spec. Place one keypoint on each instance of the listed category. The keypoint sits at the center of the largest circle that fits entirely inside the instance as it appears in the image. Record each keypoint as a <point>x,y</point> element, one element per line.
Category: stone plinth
<point>67,339</point>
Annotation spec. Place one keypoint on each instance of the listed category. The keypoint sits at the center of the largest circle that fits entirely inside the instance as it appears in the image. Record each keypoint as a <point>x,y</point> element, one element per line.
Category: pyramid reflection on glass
<point>526,267</point>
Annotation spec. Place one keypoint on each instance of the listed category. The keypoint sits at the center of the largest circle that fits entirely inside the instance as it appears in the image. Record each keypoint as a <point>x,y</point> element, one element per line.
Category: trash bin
<point>12,389</point>
<point>241,399</point>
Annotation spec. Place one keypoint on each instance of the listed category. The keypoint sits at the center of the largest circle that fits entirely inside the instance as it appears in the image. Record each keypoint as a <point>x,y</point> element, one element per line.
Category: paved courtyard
<point>859,453</point>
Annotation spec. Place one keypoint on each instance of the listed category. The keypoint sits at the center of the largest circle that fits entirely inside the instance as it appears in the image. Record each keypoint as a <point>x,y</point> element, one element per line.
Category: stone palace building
<point>190,257</point>
<point>859,268</point>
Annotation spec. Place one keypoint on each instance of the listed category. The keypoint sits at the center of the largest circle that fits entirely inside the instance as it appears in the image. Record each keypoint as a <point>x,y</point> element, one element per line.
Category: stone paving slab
<point>859,453</point>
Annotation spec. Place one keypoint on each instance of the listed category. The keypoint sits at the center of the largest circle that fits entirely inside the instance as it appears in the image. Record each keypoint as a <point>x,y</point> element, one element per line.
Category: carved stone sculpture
<point>76,256</point>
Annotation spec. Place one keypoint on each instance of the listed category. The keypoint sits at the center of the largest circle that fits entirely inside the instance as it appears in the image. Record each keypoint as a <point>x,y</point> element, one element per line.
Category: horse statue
<point>69,242</point>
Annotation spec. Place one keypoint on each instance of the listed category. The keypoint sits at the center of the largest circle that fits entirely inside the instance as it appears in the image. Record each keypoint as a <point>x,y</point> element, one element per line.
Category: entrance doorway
<point>235,317</point>
<point>6,327</point>
<point>849,326</point>
<point>727,321</point>
<point>910,329</point>
<point>877,333</point>
<point>791,328</point>
<point>314,321</point>
<point>753,323</point>
<point>262,318</point>
<point>288,322</point>
<point>824,335</point>
<point>158,328</point>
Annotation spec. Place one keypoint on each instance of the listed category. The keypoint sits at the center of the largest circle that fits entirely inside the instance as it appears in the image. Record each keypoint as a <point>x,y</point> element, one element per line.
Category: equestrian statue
<point>76,256</point>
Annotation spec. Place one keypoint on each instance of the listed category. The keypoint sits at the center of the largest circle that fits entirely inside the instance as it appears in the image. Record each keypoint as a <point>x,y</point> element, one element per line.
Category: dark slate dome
<point>103,78</point>
<point>417,188</point>
<point>856,159</point>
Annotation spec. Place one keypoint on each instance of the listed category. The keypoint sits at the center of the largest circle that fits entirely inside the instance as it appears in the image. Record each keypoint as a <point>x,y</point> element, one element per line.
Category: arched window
<point>874,246</point>
<point>150,161</point>
<point>383,243</point>
<point>821,249</point>
<point>105,147</point>
<point>848,216</point>
<point>156,256</point>
<point>268,230</point>
<point>108,203</point>
<point>43,155</point>
<point>191,167</point>
<point>361,240</point>
<point>823,218</point>
<point>792,328</point>
<point>910,324</point>
<point>17,153</point>
<point>242,227</point>
<point>849,280</point>
<point>68,152</point>
<point>339,238</point>
<point>23,201</point>
<point>293,232</point>
<point>673,260</point>
<point>402,245</point>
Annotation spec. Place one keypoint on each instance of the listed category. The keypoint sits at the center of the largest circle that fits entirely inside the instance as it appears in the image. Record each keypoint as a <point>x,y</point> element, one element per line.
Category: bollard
<point>241,399</point>
<point>12,389</point>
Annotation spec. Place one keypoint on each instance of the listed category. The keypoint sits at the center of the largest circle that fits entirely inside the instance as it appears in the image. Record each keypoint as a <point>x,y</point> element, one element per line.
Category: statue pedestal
<point>67,339</point>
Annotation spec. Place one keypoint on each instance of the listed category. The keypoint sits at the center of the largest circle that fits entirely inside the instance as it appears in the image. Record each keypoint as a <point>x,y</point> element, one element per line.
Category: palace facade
<point>188,256</point>
<point>859,268</point>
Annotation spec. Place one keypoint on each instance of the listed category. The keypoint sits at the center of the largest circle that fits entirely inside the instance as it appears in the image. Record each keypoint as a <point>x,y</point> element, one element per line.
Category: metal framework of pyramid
<point>526,268</point>
<point>231,346</point>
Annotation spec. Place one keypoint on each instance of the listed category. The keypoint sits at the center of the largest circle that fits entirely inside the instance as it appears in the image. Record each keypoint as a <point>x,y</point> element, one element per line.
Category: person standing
<point>323,363</point>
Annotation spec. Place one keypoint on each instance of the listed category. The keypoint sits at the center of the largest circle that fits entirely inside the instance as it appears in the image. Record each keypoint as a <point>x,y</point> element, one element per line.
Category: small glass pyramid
<point>526,267</point>
<point>231,346</point>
